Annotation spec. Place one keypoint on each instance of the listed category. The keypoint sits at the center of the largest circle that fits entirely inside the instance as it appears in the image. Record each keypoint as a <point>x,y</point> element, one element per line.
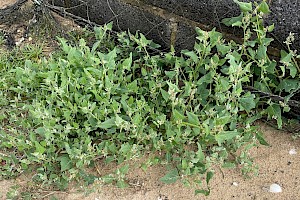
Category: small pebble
<point>235,184</point>
<point>275,188</point>
<point>292,152</point>
<point>18,43</point>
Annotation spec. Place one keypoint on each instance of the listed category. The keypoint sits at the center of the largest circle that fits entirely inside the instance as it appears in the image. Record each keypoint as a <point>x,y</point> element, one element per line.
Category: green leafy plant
<point>116,100</point>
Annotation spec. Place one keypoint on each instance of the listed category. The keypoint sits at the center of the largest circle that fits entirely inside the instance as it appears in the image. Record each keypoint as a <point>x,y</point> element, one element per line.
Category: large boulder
<point>172,22</point>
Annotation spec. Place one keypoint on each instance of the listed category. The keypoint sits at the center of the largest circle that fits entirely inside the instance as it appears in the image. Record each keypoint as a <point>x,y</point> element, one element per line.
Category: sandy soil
<point>276,165</point>
<point>5,3</point>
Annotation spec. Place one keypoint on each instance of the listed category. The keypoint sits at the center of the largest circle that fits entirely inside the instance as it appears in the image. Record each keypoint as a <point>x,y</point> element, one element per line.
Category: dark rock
<point>157,24</point>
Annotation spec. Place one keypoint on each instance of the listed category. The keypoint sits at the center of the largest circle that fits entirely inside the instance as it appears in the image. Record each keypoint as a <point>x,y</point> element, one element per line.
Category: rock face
<point>172,22</point>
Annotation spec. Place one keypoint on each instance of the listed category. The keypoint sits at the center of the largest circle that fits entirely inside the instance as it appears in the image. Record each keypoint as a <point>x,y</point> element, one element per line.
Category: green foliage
<point>115,100</point>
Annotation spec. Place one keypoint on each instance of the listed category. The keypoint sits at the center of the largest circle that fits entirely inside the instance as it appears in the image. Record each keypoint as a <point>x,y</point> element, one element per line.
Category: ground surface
<point>4,3</point>
<point>276,165</point>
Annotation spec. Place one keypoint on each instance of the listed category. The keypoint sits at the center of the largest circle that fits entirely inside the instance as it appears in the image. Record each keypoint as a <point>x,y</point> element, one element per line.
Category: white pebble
<point>275,188</point>
<point>18,43</point>
<point>292,152</point>
<point>235,184</point>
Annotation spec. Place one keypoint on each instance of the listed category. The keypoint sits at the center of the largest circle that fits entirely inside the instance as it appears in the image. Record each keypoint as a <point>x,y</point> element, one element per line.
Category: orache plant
<point>114,100</point>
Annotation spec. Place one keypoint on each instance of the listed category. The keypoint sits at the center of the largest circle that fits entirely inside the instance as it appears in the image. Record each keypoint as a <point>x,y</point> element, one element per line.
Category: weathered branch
<point>274,97</point>
<point>62,11</point>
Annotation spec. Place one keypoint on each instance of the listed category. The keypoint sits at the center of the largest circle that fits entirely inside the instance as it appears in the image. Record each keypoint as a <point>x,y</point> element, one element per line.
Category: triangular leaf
<point>205,192</point>
<point>65,162</point>
<point>171,177</point>
<point>164,94</point>
<point>39,148</point>
<point>226,135</point>
<point>245,7</point>
<point>209,176</point>
<point>264,8</point>
<point>261,139</point>
<point>247,102</point>
<point>177,115</point>
<point>233,21</point>
<point>193,119</point>
<point>108,123</point>
<point>274,112</point>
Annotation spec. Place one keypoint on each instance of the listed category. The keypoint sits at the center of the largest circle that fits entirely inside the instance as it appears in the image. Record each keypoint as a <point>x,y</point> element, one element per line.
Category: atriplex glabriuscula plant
<point>116,100</point>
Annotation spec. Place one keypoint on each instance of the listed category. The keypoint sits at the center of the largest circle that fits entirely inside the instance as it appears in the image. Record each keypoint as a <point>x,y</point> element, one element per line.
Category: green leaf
<point>192,118</point>
<point>207,78</point>
<point>65,162</point>
<point>164,94</point>
<point>209,176</point>
<point>264,8</point>
<point>39,148</point>
<point>32,137</point>
<point>233,21</point>
<point>214,37</point>
<point>223,120</point>
<point>121,184</point>
<point>245,7</point>
<point>191,54</point>
<point>226,135</point>
<point>274,112</point>
<point>261,52</point>
<point>223,49</point>
<point>184,164</point>
<point>144,41</point>
<point>127,63</point>
<point>271,28</point>
<point>177,115</point>
<point>205,192</point>
<point>108,26</point>
<point>201,36</point>
<point>41,131</point>
<point>286,58</point>
<point>261,139</point>
<point>171,177</point>
<point>266,41</point>
<point>293,70</point>
<point>144,72</point>
<point>124,169</point>
<point>200,154</point>
<point>133,87</point>
<point>288,85</point>
<point>229,165</point>
<point>63,42</point>
<point>95,46</point>
<point>170,74</point>
<point>108,178</point>
<point>247,102</point>
<point>107,123</point>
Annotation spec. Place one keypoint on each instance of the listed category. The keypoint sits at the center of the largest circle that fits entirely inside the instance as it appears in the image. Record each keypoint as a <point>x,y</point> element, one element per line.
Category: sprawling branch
<point>274,97</point>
